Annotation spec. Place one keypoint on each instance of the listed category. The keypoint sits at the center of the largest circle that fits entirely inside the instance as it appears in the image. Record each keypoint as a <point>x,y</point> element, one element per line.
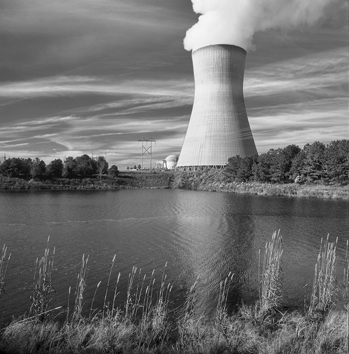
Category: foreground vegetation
<point>145,323</point>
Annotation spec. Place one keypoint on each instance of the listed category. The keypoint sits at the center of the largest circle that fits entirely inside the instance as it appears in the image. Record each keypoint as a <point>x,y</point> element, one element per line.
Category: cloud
<point>236,21</point>
<point>313,73</point>
<point>64,85</point>
<point>298,101</point>
<point>40,38</point>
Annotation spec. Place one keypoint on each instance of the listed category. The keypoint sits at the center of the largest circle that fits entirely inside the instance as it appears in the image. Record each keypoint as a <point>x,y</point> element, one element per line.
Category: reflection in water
<point>216,245</point>
<point>197,233</point>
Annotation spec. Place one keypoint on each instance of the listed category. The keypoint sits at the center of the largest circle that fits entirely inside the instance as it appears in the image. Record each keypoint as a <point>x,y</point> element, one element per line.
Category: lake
<point>198,234</point>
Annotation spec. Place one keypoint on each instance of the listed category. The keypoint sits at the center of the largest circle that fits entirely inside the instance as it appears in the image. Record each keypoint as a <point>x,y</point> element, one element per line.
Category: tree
<point>69,168</point>
<point>313,162</point>
<point>278,163</point>
<point>336,160</point>
<point>85,166</point>
<point>54,169</point>
<point>261,169</point>
<point>113,171</point>
<point>102,166</point>
<point>244,172</point>
<point>290,152</point>
<point>37,168</point>
<point>16,167</point>
<point>297,165</point>
<point>233,166</point>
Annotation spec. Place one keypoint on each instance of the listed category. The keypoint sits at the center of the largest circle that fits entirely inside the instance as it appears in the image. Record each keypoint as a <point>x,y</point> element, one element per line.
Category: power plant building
<point>171,162</point>
<point>218,126</point>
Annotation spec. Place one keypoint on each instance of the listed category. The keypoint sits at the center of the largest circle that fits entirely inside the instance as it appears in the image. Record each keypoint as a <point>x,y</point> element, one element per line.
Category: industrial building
<point>169,163</point>
<point>218,126</point>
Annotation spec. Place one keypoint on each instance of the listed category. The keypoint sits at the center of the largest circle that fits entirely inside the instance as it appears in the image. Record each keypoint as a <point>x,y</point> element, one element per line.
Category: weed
<point>4,260</point>
<point>271,277</point>
<point>324,286</point>
<point>41,297</point>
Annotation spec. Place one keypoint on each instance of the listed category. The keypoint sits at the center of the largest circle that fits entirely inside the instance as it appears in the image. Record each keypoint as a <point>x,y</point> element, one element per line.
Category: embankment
<point>217,181</point>
<point>212,181</point>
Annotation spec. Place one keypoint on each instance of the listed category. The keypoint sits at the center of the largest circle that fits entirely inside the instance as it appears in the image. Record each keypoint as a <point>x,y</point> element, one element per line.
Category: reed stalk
<point>271,277</point>
<point>41,297</point>
<point>346,290</point>
<point>115,295</point>
<point>145,327</point>
<point>224,287</point>
<point>93,300</point>
<point>4,260</point>
<point>68,305</point>
<point>80,289</point>
<point>324,286</point>
<point>191,300</point>
<point>105,306</point>
<point>128,305</point>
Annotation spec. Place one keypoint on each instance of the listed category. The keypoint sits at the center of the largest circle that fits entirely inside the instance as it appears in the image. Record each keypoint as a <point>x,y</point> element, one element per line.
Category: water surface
<point>198,234</point>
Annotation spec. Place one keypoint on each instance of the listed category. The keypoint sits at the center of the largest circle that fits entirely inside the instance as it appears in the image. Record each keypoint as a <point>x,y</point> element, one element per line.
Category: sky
<point>96,76</point>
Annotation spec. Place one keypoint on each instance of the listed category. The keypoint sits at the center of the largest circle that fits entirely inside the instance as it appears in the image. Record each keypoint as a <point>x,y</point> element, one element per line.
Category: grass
<point>4,260</point>
<point>217,181</point>
<point>145,324</point>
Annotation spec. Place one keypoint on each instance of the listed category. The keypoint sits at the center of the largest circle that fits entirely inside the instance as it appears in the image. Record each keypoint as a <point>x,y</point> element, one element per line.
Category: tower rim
<point>219,45</point>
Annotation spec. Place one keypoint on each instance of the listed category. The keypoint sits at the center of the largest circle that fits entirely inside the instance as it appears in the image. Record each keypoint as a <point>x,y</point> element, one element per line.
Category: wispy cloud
<point>313,73</point>
<point>53,86</point>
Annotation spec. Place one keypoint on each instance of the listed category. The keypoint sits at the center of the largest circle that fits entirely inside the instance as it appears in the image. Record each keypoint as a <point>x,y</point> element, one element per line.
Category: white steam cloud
<point>236,21</point>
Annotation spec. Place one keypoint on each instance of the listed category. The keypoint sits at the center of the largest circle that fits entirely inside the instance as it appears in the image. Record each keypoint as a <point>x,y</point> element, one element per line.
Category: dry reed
<point>271,277</point>
<point>41,297</point>
<point>4,260</point>
<point>324,285</point>
<point>79,290</point>
<point>143,324</point>
<point>346,289</point>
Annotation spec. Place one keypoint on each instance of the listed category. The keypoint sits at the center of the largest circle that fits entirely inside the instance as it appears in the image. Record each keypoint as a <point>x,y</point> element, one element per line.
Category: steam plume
<point>236,21</point>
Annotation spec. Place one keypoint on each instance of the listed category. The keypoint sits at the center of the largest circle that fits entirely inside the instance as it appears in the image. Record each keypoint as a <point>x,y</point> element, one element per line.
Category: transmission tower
<point>147,149</point>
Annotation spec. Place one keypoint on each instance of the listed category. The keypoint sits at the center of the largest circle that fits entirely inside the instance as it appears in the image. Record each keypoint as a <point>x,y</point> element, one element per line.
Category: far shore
<point>180,180</point>
<point>282,190</point>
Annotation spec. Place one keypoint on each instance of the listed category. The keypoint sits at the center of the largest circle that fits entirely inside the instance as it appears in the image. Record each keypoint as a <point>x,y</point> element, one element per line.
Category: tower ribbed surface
<point>218,126</point>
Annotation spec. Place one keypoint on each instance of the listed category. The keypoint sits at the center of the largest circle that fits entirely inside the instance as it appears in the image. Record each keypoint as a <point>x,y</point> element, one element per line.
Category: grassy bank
<point>125,180</point>
<point>145,324</point>
<point>211,180</point>
<point>217,181</point>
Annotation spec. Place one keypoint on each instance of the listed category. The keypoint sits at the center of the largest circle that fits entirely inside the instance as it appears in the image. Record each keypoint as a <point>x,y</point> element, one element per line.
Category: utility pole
<point>147,148</point>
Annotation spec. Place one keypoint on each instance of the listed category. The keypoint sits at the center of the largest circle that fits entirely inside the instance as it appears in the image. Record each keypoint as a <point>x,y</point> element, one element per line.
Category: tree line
<point>315,163</point>
<point>80,167</point>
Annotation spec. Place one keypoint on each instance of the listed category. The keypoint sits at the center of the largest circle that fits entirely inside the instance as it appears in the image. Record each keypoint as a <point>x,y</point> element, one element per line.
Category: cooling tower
<point>218,126</point>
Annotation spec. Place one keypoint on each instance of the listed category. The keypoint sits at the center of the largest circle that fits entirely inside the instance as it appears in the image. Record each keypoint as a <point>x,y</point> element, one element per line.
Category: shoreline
<point>216,181</point>
<point>282,190</point>
<point>185,181</point>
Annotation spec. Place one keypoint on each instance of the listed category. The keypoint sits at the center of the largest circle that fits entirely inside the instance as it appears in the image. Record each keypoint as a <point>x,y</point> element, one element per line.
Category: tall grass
<point>346,289</point>
<point>271,277</point>
<point>42,296</point>
<point>324,285</point>
<point>80,289</point>
<point>144,325</point>
<point>4,260</point>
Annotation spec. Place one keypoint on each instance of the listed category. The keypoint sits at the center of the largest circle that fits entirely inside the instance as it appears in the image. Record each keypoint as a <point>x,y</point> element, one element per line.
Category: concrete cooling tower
<point>218,126</point>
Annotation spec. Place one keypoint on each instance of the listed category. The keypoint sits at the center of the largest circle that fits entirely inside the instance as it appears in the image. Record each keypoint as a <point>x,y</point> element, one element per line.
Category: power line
<point>147,149</point>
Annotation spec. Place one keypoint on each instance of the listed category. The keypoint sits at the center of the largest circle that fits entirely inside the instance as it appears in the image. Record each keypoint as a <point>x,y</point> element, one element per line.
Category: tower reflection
<point>209,257</point>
